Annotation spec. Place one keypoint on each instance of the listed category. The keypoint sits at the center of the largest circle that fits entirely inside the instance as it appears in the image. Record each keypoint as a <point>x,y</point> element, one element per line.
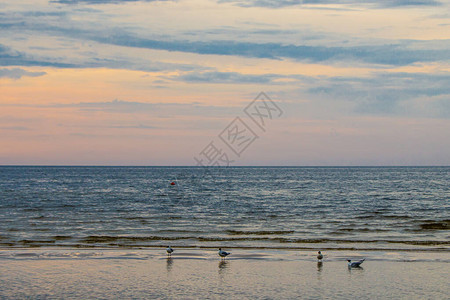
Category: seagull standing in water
<point>356,264</point>
<point>169,251</point>
<point>319,256</point>
<point>223,254</point>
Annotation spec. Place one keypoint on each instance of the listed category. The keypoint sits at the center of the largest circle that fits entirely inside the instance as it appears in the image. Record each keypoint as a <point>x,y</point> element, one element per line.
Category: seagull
<point>319,256</point>
<point>223,254</point>
<point>355,264</point>
<point>169,251</point>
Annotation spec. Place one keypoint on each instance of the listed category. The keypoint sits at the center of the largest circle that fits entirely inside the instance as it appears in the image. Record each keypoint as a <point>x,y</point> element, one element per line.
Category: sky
<point>224,82</point>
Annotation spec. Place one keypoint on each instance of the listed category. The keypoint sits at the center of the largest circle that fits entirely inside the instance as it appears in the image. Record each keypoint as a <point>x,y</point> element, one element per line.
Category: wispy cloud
<point>15,128</point>
<point>375,3</point>
<point>394,53</point>
<point>226,77</point>
<point>139,126</point>
<point>10,57</point>
<point>18,73</point>
<point>118,106</point>
<point>399,94</point>
<point>215,77</point>
<point>103,1</point>
<point>136,107</point>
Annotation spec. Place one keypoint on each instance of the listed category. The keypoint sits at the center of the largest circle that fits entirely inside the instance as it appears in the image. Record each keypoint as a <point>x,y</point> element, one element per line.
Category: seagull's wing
<point>357,263</point>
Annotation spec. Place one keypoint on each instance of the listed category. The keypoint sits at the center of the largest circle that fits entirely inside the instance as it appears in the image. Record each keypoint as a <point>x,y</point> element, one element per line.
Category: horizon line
<point>238,166</point>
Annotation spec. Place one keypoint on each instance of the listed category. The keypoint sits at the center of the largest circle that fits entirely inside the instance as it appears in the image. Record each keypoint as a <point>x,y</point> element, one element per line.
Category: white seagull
<point>169,251</point>
<point>319,256</point>
<point>355,264</point>
<point>223,254</point>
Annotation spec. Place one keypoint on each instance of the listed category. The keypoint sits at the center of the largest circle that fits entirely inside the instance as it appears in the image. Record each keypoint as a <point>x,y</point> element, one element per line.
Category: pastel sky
<point>124,82</point>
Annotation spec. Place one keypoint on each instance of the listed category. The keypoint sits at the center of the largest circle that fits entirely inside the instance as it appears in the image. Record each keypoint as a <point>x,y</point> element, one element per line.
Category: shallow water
<point>200,274</point>
<point>242,207</point>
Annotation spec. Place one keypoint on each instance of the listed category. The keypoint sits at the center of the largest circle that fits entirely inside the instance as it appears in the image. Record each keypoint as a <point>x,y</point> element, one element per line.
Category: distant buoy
<point>172,183</point>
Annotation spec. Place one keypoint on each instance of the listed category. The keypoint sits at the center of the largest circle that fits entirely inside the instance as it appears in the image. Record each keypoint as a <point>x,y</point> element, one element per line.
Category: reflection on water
<point>223,266</point>
<point>319,270</point>
<point>357,270</point>
<point>319,266</point>
<point>169,264</point>
<point>125,277</point>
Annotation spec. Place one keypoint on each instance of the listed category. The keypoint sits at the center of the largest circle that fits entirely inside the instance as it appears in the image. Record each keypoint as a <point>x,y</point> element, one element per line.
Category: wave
<point>262,232</point>
<point>33,209</point>
<point>436,225</point>
<point>377,215</point>
<point>36,242</point>
<point>62,237</point>
<point>148,241</point>
<point>347,230</point>
<point>93,239</point>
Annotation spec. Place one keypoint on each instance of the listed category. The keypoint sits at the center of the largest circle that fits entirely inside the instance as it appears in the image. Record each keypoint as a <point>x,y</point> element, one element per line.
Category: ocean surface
<point>336,208</point>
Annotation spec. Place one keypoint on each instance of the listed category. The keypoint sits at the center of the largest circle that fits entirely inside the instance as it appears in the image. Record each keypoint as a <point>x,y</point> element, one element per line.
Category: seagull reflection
<point>223,266</point>
<point>355,269</point>
<point>169,264</point>
<point>319,266</point>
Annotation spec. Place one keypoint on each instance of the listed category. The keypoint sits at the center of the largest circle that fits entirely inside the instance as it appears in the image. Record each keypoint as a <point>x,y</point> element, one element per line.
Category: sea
<point>334,208</point>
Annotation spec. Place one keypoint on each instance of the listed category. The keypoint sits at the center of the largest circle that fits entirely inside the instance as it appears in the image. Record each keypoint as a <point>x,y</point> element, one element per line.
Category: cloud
<point>392,54</point>
<point>18,73</point>
<point>9,57</point>
<point>440,16</point>
<point>45,13</point>
<point>139,126</point>
<point>116,105</point>
<point>17,128</point>
<point>402,94</point>
<point>226,77</point>
<point>398,53</point>
<point>133,107</point>
<point>240,78</point>
<point>132,126</point>
<point>406,3</point>
<point>103,1</point>
<point>375,3</point>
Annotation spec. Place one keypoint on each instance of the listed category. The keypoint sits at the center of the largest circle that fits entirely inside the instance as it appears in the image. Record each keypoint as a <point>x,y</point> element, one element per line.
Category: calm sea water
<point>273,207</point>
